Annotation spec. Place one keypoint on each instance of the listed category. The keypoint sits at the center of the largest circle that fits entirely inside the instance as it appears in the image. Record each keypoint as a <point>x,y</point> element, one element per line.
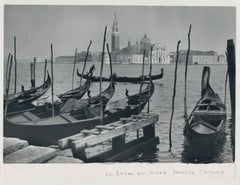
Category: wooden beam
<point>118,131</point>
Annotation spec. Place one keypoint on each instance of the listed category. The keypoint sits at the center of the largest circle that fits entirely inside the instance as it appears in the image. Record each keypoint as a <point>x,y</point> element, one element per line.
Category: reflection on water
<point>210,156</point>
<point>160,102</point>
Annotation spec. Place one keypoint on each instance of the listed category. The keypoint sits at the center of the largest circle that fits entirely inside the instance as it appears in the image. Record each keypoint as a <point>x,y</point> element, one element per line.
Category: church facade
<point>133,53</point>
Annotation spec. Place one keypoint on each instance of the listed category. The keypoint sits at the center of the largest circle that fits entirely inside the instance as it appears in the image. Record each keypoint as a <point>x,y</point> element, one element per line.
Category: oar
<point>52,80</point>
<point>74,63</point>
<point>85,61</point>
<point>45,69</point>
<point>15,60</point>
<point>186,68</point>
<point>8,84</point>
<point>173,98</point>
<point>143,77</point>
<point>100,88</point>
<point>150,79</point>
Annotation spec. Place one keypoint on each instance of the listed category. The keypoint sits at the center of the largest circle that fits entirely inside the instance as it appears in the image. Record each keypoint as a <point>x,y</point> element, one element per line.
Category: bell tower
<point>115,35</point>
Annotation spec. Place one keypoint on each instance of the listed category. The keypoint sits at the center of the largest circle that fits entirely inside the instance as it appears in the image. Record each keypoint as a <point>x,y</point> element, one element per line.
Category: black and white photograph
<point>119,84</point>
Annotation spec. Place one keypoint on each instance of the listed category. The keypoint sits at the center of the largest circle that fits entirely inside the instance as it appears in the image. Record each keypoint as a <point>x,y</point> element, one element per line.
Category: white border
<point>97,173</point>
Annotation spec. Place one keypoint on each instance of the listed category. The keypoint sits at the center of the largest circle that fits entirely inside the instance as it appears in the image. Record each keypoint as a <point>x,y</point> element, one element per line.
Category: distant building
<point>133,54</point>
<point>80,57</point>
<point>197,57</point>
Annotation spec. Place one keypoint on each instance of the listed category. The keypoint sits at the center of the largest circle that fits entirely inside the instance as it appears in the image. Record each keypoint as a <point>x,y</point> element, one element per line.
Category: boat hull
<point>49,134</point>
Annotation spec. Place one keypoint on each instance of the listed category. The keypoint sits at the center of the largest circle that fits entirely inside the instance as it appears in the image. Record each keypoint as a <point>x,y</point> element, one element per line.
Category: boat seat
<point>30,116</point>
<point>68,117</point>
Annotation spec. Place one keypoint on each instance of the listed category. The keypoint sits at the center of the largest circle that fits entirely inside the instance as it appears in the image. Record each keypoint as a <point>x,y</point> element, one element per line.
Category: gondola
<point>124,78</point>
<point>22,100</point>
<point>78,92</point>
<point>206,124</point>
<point>48,131</point>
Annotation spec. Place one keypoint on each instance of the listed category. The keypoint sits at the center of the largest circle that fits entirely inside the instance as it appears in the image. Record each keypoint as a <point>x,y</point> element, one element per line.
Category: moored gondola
<point>78,92</point>
<point>48,131</point>
<point>206,124</point>
<point>23,100</point>
<point>125,79</point>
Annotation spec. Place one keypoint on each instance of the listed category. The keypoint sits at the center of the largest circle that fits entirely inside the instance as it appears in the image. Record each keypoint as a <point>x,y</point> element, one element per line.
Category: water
<point>160,101</point>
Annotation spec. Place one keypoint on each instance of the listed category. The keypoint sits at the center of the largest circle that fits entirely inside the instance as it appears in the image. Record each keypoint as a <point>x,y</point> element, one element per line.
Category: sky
<point>70,27</point>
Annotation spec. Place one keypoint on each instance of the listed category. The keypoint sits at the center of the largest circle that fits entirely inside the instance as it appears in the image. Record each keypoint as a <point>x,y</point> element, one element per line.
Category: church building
<point>133,53</point>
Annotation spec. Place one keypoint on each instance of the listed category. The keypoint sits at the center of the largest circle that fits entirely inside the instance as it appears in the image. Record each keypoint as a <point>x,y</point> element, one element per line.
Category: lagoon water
<point>160,101</point>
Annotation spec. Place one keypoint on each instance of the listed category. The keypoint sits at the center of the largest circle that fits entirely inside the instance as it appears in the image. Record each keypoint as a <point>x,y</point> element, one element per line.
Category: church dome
<point>145,40</point>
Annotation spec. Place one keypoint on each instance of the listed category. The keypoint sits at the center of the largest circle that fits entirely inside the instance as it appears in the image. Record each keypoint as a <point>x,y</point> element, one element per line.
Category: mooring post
<point>52,92</point>
<point>8,84</point>
<point>7,69</point>
<point>31,74</point>
<point>232,83</point>
<point>173,97</point>
<point>101,70</point>
<point>74,63</point>
<point>85,61</point>
<point>118,142</point>
<point>149,131</point>
<point>34,70</point>
<point>15,60</point>
<point>45,70</point>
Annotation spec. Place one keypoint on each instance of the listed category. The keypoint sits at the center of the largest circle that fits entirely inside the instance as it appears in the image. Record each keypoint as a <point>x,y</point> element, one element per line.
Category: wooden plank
<point>94,132</point>
<point>139,116</point>
<point>13,144</point>
<point>65,142</point>
<point>118,131</point>
<point>128,119</point>
<point>30,116</point>
<point>106,127</point>
<point>30,154</point>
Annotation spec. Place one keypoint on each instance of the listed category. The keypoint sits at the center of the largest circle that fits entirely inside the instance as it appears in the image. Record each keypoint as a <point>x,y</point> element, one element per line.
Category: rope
<point>173,98</point>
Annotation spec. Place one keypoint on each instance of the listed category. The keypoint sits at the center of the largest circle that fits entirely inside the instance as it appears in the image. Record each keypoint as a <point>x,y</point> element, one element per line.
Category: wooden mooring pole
<point>143,77</point>
<point>150,79</point>
<point>52,81</point>
<point>15,62</point>
<point>101,70</point>
<point>232,77</point>
<point>85,61</point>
<point>34,71</point>
<point>74,63</point>
<point>45,70</point>
<point>8,84</point>
<point>185,84</point>
<point>6,74</point>
<point>173,98</point>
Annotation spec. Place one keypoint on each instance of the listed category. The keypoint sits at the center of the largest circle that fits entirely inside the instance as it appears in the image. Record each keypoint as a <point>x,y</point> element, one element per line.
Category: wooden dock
<point>111,142</point>
<point>108,142</point>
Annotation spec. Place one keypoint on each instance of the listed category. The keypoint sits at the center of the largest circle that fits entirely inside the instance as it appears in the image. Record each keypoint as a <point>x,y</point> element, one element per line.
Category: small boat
<point>78,92</point>
<point>206,124</point>
<point>22,100</point>
<point>124,78</point>
<point>48,131</point>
